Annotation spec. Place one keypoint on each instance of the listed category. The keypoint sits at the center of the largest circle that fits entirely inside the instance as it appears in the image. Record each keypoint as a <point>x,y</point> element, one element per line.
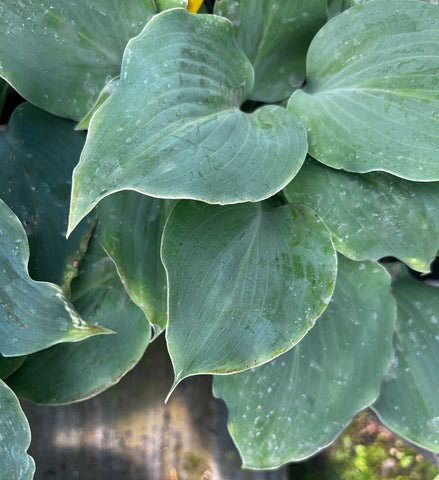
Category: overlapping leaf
<point>335,7</point>
<point>371,100</point>
<point>33,315</point>
<point>37,155</point>
<point>373,215</point>
<point>167,4</point>
<point>173,128</point>
<point>275,36</point>
<point>75,371</point>
<point>8,365</point>
<point>109,88</point>
<point>245,283</point>
<point>130,230</point>
<point>408,402</point>
<point>298,403</point>
<point>59,55</point>
<point>14,438</point>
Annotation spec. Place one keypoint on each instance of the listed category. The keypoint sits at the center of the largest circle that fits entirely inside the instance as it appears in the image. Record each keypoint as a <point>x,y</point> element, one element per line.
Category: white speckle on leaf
<point>433,424</point>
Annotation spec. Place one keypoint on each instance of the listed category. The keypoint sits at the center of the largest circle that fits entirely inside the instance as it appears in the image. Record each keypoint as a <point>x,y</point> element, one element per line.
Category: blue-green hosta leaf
<point>298,403</point>
<point>37,155</point>
<point>59,55</point>
<point>109,88</point>
<point>76,371</point>
<point>33,315</point>
<point>275,36</point>
<point>335,7</point>
<point>408,402</point>
<point>371,100</point>
<point>173,128</point>
<point>15,438</point>
<point>245,283</point>
<point>130,230</point>
<point>167,4</point>
<point>373,215</point>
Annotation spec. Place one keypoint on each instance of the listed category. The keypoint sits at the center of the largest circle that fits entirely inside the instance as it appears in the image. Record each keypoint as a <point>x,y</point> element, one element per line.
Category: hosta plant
<point>232,180</point>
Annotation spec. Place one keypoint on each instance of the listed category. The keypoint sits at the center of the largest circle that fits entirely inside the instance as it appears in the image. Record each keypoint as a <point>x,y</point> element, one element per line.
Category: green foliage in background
<point>234,181</point>
<point>367,451</point>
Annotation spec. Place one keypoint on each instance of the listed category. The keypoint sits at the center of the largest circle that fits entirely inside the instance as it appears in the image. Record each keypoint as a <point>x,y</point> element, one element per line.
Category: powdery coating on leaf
<point>173,128</point>
<point>59,55</point>
<point>14,437</point>
<point>373,215</point>
<point>411,382</point>
<point>371,100</point>
<point>33,315</point>
<point>292,407</point>
<point>245,283</point>
<point>76,371</point>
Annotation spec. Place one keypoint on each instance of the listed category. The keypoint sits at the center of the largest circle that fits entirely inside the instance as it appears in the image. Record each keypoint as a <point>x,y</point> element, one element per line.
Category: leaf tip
<point>177,379</point>
<point>82,125</point>
<point>83,198</point>
<point>88,330</point>
<point>102,330</point>
<point>75,216</point>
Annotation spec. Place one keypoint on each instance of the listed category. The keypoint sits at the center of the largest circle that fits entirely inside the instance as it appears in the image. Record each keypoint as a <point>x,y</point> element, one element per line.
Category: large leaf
<point>15,438</point>
<point>372,215</point>
<point>408,402</point>
<point>371,100</point>
<point>245,283</point>
<point>33,315</point>
<point>75,371</point>
<point>59,55</point>
<point>298,403</point>
<point>275,36</point>
<point>37,155</point>
<point>173,128</point>
<point>130,230</point>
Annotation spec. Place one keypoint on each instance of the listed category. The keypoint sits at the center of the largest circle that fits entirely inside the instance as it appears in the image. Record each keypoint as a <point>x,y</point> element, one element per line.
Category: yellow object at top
<point>194,5</point>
